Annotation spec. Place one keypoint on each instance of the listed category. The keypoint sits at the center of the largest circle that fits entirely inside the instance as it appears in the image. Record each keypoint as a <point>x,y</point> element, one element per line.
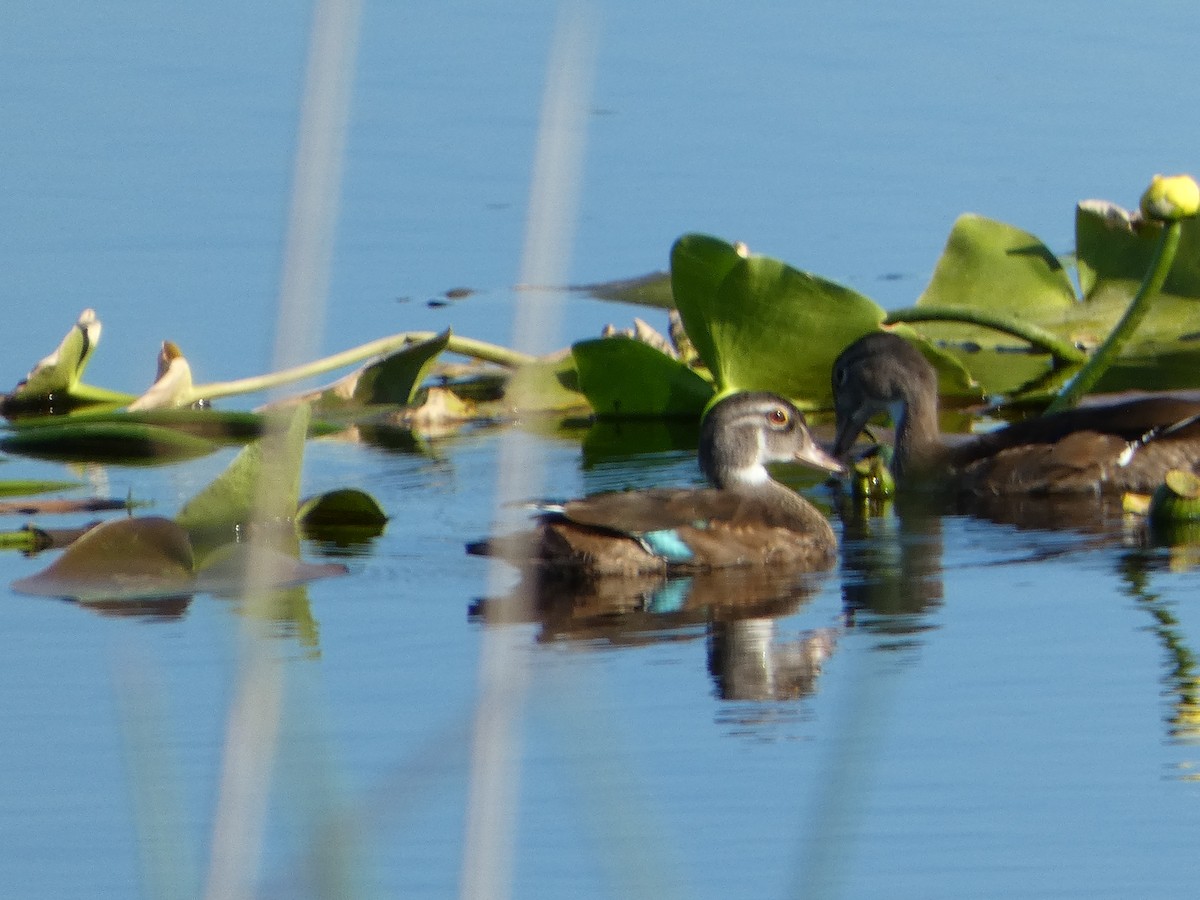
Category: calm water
<point>999,710</point>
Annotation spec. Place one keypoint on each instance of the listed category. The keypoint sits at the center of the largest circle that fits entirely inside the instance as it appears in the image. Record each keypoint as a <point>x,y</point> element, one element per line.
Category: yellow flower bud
<point>1171,197</point>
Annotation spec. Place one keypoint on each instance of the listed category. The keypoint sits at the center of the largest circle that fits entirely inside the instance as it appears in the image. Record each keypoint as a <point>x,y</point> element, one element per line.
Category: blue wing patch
<point>668,544</point>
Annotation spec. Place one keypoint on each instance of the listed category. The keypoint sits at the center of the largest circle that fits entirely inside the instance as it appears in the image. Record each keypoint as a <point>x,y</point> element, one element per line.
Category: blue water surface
<point>1003,713</point>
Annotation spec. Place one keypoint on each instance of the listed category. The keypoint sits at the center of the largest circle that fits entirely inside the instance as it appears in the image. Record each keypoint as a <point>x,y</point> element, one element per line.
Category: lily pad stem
<point>1035,336</point>
<point>1104,356</point>
<point>492,353</point>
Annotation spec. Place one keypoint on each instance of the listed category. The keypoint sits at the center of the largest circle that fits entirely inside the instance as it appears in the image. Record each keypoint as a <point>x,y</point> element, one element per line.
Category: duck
<point>1120,446</point>
<point>743,518</point>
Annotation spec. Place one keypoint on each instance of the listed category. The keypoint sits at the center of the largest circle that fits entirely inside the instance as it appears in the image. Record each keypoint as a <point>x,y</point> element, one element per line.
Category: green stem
<point>465,346</point>
<point>1107,353</point>
<point>86,393</point>
<point>1040,338</point>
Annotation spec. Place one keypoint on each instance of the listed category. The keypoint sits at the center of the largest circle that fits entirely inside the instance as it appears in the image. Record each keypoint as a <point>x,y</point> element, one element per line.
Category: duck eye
<point>778,416</point>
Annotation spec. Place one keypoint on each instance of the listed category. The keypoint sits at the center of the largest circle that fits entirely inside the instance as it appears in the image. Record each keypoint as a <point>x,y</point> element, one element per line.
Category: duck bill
<point>814,456</point>
<point>848,430</point>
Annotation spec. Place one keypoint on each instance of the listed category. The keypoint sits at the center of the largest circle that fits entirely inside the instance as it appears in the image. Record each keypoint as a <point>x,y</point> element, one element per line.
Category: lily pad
<point>545,385</point>
<point>1114,249</point>
<point>262,481</point>
<point>342,517</point>
<point>130,560</point>
<point>621,376</point>
<point>24,488</point>
<point>998,268</point>
<point>394,378</point>
<point>126,559</point>
<point>233,426</point>
<point>127,442</point>
<point>646,290</point>
<point>760,324</point>
<point>56,380</point>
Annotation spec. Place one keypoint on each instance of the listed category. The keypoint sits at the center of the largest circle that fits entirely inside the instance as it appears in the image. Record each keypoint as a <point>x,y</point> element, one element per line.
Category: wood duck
<point>1116,446</point>
<point>746,518</point>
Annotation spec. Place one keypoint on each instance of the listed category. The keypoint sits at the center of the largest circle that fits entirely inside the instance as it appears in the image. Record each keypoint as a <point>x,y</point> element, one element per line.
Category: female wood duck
<point>1125,446</point>
<point>745,519</point>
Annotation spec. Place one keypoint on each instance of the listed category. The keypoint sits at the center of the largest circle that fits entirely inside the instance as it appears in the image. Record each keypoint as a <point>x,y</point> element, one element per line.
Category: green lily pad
<point>699,263</point>
<point>646,290</point>
<point>59,372</point>
<point>26,488</point>
<point>393,379</point>
<point>55,382</point>
<point>262,481</point>
<point>151,558</point>
<point>1114,249</point>
<point>213,424</point>
<point>1000,269</point>
<point>125,559</point>
<point>621,376</point>
<point>345,516</point>
<point>760,324</point>
<point>116,442</point>
<point>545,385</point>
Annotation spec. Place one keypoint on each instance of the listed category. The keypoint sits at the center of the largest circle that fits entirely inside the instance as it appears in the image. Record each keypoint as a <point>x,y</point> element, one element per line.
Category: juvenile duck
<point>745,519</point>
<point>1125,446</point>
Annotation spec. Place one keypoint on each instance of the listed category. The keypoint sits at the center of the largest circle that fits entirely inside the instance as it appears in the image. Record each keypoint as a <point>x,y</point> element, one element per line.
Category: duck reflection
<point>736,610</point>
<point>891,562</point>
<point>748,661</point>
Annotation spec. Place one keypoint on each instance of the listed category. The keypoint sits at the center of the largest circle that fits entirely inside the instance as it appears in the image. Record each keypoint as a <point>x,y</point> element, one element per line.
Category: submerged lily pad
<point>760,324</point>
<point>621,376</point>
<point>151,557</point>
<point>126,559</point>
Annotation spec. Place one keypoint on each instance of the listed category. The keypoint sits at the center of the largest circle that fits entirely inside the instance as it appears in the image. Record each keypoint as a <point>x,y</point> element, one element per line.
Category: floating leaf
<point>54,383</point>
<point>699,263</point>
<point>59,372</point>
<point>24,488</point>
<point>646,290</point>
<point>342,516</point>
<point>263,479</point>
<point>393,378</point>
<point>995,267</point>
<point>126,559</point>
<point>1114,249</point>
<point>117,442</point>
<point>545,385</point>
<point>621,376</point>
<point>765,326</point>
